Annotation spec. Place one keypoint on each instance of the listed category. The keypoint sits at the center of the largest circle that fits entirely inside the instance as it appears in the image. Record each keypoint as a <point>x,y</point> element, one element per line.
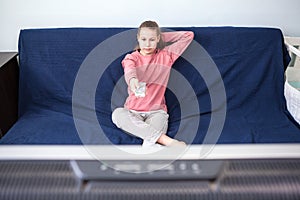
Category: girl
<point>146,72</point>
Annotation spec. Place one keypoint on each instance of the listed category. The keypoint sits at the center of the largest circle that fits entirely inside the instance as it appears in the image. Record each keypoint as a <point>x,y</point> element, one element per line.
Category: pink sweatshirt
<point>154,70</point>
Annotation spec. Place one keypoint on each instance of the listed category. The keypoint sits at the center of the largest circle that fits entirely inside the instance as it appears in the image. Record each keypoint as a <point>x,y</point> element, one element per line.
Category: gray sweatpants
<point>146,125</point>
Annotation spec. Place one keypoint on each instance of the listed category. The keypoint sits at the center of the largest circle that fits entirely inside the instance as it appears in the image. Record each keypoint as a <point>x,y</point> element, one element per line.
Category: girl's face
<point>148,40</point>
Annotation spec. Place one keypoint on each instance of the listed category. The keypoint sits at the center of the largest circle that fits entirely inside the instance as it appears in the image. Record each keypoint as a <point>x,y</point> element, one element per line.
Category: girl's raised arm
<point>179,40</point>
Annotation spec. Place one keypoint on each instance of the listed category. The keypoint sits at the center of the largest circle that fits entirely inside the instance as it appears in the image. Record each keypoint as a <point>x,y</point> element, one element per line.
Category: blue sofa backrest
<point>251,63</point>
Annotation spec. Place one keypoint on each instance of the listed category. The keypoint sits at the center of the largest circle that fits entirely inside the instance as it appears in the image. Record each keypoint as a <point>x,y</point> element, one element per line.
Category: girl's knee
<point>117,114</point>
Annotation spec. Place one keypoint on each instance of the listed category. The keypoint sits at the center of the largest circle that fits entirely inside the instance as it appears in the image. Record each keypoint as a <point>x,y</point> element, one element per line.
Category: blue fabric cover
<point>251,62</point>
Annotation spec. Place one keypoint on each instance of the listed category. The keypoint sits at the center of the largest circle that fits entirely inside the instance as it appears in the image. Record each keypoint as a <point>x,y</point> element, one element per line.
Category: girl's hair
<point>154,26</point>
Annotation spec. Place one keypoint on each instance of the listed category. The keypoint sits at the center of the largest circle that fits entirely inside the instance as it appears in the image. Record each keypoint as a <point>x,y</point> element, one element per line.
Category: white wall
<point>20,14</point>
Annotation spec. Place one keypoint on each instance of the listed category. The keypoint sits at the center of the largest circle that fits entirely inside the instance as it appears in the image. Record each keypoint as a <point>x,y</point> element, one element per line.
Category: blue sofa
<point>226,88</point>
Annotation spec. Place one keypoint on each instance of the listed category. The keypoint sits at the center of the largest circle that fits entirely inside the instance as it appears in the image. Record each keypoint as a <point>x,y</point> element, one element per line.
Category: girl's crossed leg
<point>150,126</point>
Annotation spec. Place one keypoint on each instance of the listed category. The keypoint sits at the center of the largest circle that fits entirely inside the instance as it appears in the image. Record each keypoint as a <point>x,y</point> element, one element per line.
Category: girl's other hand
<point>133,84</point>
